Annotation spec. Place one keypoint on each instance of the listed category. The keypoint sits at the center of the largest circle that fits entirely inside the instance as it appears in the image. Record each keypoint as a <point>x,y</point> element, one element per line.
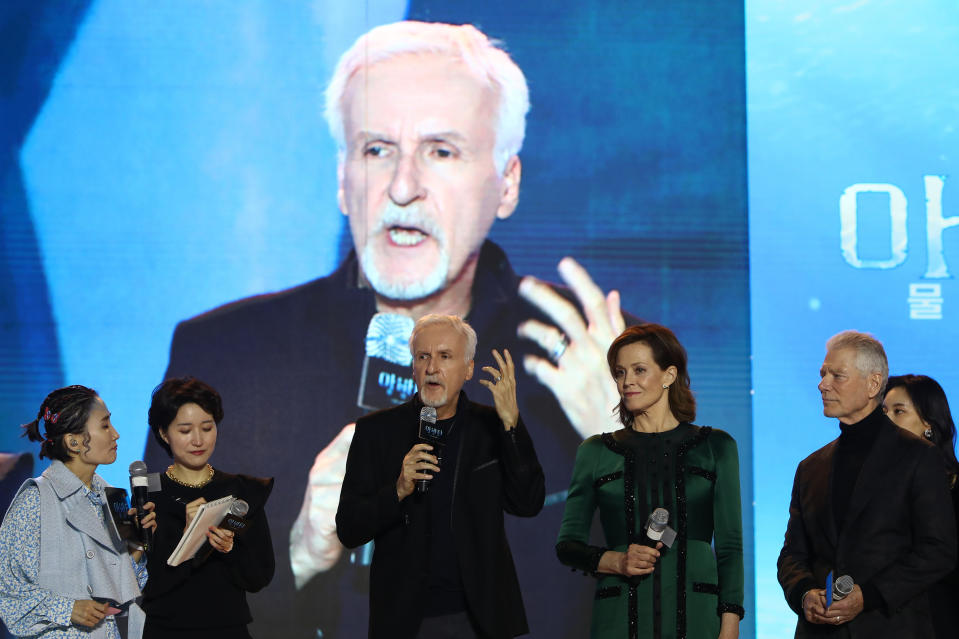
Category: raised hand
<point>503,388</point>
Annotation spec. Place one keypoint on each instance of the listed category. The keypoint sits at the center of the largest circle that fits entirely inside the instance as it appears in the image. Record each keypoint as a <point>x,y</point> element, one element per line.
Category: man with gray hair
<point>434,501</point>
<point>872,504</point>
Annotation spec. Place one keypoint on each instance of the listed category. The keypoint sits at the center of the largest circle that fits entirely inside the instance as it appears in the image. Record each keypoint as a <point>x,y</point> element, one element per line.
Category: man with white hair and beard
<point>441,563</point>
<point>872,504</point>
<point>429,120</point>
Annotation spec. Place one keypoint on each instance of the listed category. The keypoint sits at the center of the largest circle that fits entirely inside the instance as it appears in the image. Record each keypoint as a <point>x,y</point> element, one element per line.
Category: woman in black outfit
<point>918,404</point>
<point>201,598</point>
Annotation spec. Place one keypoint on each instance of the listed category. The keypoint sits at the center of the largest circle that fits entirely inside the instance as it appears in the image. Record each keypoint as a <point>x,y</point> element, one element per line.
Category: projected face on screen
<point>418,181</point>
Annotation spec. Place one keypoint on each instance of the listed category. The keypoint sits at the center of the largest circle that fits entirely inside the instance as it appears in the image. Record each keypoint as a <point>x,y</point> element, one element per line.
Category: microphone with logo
<point>139,487</point>
<point>235,520</point>
<point>657,529</point>
<point>386,378</point>
<point>433,435</point>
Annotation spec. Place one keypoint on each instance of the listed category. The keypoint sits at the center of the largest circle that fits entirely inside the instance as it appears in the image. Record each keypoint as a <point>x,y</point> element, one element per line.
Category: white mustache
<point>409,216</point>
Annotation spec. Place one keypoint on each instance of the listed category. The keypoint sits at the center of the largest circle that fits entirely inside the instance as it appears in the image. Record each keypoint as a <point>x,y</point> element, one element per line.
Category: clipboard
<point>209,514</point>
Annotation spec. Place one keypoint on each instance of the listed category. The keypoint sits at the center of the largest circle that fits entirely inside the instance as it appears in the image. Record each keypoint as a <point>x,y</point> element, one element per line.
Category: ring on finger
<point>559,348</point>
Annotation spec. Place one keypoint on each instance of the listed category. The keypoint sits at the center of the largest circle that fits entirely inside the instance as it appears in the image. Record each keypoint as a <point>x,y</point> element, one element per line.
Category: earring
<point>665,386</point>
<point>73,442</point>
<point>927,433</point>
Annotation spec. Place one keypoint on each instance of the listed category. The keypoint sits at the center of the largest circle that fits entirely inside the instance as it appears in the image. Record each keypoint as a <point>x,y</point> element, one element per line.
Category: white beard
<point>388,285</point>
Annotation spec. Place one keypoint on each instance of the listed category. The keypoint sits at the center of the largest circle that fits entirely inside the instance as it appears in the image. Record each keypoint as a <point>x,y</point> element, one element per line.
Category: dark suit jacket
<point>496,471</point>
<point>898,534</point>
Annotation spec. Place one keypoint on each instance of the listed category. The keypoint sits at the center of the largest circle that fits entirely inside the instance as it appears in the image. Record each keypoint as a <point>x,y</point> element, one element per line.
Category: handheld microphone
<point>234,519</point>
<point>433,436</point>
<point>139,487</point>
<point>657,529</point>
<point>842,587</point>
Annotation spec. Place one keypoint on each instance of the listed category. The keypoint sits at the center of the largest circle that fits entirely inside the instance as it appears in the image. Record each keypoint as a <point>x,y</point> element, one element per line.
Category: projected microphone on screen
<point>385,380</point>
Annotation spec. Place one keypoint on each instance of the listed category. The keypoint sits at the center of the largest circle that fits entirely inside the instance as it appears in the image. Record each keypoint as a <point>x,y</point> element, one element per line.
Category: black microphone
<point>433,436</point>
<point>657,529</point>
<point>842,587</point>
<point>139,487</point>
<point>235,520</point>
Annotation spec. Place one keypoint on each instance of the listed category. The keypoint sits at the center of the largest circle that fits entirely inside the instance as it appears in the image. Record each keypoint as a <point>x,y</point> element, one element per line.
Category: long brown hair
<point>667,351</point>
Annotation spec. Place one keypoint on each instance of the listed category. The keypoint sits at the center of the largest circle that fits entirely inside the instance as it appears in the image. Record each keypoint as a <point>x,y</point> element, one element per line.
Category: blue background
<point>839,94</point>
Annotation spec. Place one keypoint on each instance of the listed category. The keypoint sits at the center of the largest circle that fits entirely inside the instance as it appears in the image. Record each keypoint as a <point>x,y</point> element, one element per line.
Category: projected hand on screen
<point>314,547</point>
<point>577,375</point>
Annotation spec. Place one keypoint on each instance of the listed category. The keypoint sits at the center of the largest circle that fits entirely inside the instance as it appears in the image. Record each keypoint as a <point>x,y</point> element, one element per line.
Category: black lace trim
<point>728,607</point>
<point>681,451</point>
<point>709,589</point>
<point>609,591</point>
<point>629,505</point>
<point>702,472</point>
<point>605,479</point>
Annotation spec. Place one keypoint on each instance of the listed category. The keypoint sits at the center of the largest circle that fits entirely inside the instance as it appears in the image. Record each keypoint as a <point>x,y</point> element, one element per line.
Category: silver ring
<point>496,380</point>
<point>559,348</point>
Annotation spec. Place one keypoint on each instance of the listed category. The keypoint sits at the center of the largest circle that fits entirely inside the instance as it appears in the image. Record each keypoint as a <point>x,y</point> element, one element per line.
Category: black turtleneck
<point>855,443</point>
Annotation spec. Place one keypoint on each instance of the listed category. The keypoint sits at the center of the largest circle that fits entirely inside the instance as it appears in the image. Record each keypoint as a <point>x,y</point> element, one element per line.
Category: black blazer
<point>899,534</point>
<point>496,471</point>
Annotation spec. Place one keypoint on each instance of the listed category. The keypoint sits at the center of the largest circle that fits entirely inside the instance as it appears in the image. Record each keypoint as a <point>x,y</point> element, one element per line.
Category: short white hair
<point>483,56</point>
<point>870,355</point>
<point>454,321</point>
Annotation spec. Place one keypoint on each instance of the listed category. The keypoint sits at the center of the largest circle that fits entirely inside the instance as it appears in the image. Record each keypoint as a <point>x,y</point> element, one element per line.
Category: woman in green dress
<point>694,588</point>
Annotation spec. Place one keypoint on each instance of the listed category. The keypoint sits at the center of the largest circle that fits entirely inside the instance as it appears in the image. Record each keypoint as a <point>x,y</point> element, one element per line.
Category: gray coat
<point>77,550</point>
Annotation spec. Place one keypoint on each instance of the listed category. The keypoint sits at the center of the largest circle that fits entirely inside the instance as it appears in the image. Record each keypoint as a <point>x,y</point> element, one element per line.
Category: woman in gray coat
<point>65,571</point>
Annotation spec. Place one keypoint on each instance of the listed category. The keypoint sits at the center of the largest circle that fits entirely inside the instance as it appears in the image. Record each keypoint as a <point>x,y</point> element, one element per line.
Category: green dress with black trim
<point>691,471</point>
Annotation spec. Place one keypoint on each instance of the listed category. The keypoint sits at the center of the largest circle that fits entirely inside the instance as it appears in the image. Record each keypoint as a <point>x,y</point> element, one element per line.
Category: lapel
<point>821,483</point>
<point>879,460</point>
<point>467,444</point>
<point>79,511</point>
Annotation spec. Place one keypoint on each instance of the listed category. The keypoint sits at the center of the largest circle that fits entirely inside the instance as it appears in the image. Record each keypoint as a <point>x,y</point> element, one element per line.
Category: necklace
<point>199,484</point>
